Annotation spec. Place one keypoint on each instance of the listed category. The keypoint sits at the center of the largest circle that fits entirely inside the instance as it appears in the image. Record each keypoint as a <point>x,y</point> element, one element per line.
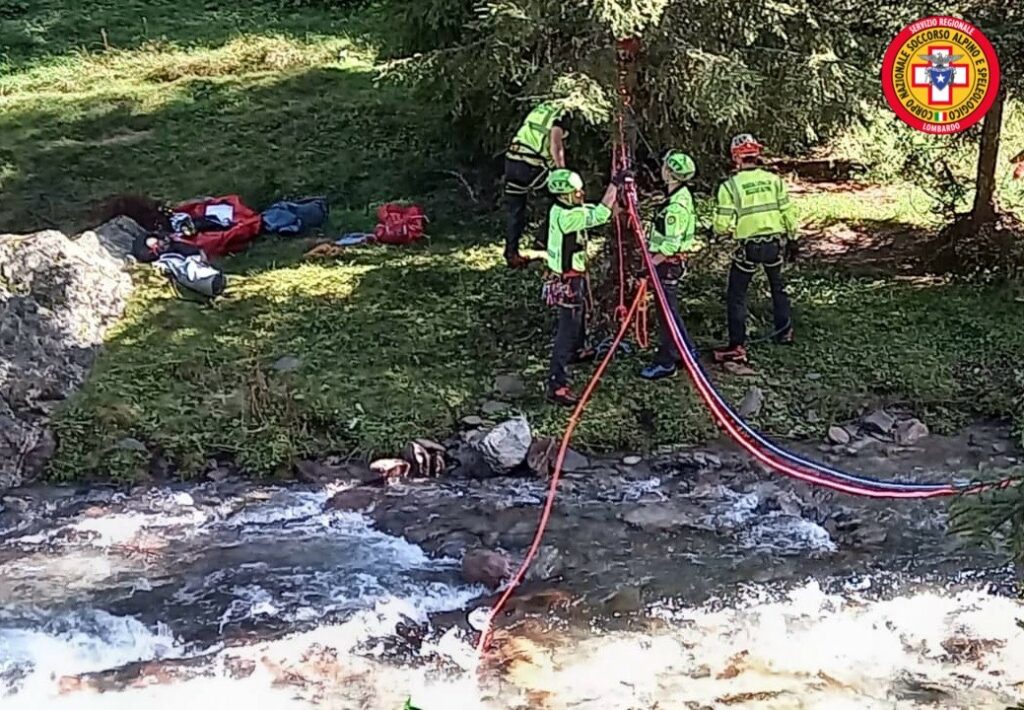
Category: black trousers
<point>747,257</point>
<point>521,179</point>
<point>669,273</point>
<point>571,332</point>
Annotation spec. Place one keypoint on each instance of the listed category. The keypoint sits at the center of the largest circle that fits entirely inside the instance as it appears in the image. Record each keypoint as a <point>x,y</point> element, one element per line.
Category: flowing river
<point>675,586</point>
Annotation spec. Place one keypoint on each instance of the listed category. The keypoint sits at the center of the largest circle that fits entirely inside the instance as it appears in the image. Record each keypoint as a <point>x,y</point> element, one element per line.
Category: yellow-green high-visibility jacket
<point>674,230</point>
<point>532,142</point>
<point>754,204</point>
<point>567,228</point>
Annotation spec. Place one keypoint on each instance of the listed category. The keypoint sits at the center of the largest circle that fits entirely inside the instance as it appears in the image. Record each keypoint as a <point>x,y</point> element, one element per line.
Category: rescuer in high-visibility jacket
<point>672,238</point>
<point>568,221</point>
<point>537,148</point>
<point>754,206</point>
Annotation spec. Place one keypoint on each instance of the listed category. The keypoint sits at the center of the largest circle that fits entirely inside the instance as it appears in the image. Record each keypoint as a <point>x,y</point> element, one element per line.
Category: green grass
<point>394,343</point>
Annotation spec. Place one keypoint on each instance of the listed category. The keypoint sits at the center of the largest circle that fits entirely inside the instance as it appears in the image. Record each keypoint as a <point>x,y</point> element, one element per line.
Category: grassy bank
<point>395,343</point>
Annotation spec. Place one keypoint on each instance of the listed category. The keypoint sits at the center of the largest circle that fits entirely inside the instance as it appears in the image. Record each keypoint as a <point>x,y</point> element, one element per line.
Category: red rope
<point>556,473</point>
<point>724,418</point>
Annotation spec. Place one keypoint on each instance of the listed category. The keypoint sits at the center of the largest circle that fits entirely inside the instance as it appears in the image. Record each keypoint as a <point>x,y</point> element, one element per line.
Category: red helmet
<point>745,146</point>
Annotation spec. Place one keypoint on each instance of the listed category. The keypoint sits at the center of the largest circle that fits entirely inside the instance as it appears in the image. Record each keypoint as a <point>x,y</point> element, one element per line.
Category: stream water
<point>260,597</point>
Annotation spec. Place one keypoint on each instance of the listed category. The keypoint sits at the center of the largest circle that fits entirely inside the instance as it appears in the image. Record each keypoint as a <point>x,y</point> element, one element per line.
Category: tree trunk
<point>984,211</point>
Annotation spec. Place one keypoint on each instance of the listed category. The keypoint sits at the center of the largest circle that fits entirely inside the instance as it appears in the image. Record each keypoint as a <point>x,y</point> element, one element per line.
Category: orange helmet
<point>745,146</point>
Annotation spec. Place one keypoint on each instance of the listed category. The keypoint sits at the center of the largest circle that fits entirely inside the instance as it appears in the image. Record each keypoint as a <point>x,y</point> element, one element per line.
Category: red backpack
<point>399,224</point>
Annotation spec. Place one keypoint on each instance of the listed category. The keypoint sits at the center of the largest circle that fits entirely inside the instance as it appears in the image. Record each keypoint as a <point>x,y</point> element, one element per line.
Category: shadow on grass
<point>324,131</point>
<point>869,247</point>
<point>35,31</point>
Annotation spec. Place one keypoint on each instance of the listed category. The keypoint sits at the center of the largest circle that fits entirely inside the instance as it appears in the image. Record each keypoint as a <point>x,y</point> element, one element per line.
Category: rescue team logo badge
<point>940,75</point>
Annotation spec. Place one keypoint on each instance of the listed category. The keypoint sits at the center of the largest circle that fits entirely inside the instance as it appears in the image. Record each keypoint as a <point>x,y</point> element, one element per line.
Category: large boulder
<point>58,297</point>
<point>486,567</point>
<point>117,236</point>
<point>507,445</point>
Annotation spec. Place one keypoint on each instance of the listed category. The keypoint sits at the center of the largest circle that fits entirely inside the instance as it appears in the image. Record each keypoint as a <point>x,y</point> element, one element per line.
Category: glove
<point>792,251</point>
<point>621,177</point>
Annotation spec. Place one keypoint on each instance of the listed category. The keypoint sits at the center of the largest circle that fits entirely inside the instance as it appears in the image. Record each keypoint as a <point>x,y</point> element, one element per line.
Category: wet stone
<point>352,499</point>
<point>486,567</point>
<point>574,462</point>
<point>627,600</point>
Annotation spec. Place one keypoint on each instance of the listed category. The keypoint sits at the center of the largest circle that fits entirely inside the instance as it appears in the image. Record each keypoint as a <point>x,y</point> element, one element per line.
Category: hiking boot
<point>787,337</point>
<point>517,261</point>
<point>584,355</point>
<point>562,396</point>
<point>656,371</point>
<point>733,353</point>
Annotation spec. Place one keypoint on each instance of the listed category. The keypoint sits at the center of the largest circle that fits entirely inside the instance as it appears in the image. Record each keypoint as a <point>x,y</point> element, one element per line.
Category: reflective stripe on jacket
<point>754,203</point>
<point>532,142</point>
<point>674,230</point>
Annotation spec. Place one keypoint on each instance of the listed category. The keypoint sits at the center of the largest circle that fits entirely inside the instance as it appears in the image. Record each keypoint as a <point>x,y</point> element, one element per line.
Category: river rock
<point>58,298</point>
<point>426,458</point>
<point>472,421</point>
<point>507,445</point>
<point>510,386</point>
<point>662,517</point>
<point>455,544</point>
<point>486,567</point>
<point>390,469</point>
<point>627,600</point>
<point>540,459</point>
<point>313,472</point>
<point>631,460</point>
<point>911,431</point>
<point>118,236</point>
<point>352,499</point>
<point>574,462</point>
<point>752,402</point>
<point>547,563</point>
<point>838,435</point>
<point>219,474</point>
<point>879,422</point>
<point>492,407</point>
<point>469,462</point>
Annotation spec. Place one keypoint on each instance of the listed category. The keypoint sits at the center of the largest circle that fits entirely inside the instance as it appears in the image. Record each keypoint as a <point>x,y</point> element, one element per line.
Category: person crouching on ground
<point>754,206</point>
<point>672,237</point>
<point>568,221</point>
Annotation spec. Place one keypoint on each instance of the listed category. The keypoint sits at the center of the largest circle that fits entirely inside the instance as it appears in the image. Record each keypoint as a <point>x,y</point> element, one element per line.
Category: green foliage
<point>430,24</point>
<point>993,519</point>
<point>791,72</point>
